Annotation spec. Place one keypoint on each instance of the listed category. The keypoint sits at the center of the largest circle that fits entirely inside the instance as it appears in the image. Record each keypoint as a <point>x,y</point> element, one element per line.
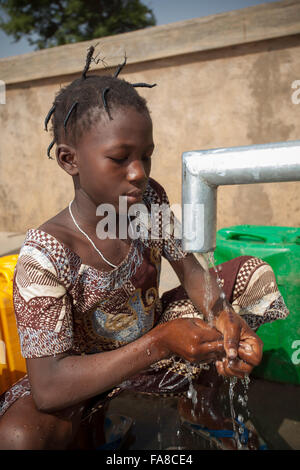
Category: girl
<point>90,320</point>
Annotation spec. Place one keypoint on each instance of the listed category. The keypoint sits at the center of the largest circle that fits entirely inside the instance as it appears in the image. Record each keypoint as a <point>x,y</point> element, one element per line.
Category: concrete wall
<point>223,81</point>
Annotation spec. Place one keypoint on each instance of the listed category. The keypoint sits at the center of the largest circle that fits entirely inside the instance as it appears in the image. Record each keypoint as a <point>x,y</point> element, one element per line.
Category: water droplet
<point>194,397</point>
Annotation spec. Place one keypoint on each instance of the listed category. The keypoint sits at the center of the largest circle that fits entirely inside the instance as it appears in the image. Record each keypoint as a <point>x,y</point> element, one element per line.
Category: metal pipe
<point>204,170</point>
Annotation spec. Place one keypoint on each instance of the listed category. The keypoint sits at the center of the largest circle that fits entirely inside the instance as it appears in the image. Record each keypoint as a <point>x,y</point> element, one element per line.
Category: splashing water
<point>232,384</point>
<point>203,260</point>
<point>212,264</point>
<point>238,422</point>
<point>243,399</point>
<point>192,392</point>
<point>207,261</point>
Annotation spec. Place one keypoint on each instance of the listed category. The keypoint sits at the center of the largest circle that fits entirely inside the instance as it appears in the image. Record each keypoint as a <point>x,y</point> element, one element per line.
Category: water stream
<point>207,261</point>
<point>238,421</point>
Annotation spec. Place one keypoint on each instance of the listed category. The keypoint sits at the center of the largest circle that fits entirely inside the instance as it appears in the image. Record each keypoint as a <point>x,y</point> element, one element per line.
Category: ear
<point>66,158</point>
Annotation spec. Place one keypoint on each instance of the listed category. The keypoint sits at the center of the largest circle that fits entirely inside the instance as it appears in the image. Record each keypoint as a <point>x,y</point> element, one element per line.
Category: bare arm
<point>200,286</point>
<point>65,380</point>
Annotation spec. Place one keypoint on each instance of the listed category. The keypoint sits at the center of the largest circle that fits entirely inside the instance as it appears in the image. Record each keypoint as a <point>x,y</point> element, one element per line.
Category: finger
<point>225,371</point>
<point>213,357</point>
<point>231,340</point>
<point>250,352</point>
<point>213,350</point>
<point>228,370</point>
<point>213,346</point>
<point>248,336</point>
<point>236,368</point>
<point>246,353</point>
<point>211,333</point>
<point>220,368</point>
<point>239,367</point>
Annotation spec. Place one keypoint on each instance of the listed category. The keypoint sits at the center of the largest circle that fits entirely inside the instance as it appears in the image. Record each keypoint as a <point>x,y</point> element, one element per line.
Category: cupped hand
<point>242,346</point>
<point>193,339</point>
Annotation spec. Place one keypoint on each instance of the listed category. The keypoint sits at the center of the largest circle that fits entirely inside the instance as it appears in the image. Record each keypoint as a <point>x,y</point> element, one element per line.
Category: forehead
<point>126,126</point>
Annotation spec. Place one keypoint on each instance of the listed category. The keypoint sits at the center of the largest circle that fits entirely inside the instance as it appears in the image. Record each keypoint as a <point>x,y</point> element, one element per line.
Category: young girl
<point>89,316</point>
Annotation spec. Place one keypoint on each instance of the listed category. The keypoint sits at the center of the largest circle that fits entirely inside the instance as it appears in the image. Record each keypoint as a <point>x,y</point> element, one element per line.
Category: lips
<point>136,194</point>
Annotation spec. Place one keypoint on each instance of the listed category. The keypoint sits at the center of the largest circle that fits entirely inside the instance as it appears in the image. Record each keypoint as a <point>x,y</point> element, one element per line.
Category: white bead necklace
<point>91,241</point>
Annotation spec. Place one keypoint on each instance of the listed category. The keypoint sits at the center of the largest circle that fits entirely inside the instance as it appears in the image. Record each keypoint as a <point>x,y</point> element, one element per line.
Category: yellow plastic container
<point>12,364</point>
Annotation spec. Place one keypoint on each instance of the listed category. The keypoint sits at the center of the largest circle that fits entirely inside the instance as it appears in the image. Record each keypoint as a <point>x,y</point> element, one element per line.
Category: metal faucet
<point>204,170</point>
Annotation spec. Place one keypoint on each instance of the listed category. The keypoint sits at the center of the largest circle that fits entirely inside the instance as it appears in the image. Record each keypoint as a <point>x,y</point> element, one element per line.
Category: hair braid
<point>78,105</point>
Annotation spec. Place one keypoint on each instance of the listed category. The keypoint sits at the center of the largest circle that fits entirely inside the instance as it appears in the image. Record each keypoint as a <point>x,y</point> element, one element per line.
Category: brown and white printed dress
<point>64,305</point>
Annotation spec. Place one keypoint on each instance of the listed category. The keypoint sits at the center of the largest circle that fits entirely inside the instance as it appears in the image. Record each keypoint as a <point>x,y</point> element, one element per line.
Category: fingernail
<point>232,353</point>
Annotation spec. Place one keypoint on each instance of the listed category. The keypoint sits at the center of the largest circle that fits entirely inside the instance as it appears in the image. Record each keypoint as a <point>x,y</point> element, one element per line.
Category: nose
<point>136,172</point>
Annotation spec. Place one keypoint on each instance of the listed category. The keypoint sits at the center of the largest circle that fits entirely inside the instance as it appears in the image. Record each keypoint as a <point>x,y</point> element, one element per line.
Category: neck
<point>84,211</point>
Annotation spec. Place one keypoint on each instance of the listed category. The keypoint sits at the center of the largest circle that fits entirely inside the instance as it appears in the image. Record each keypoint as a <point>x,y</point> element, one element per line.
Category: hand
<point>192,339</point>
<point>242,346</point>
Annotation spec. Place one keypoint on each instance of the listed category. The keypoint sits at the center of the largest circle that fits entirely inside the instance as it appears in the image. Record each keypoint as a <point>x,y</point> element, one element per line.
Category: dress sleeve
<point>42,304</point>
<point>169,226</point>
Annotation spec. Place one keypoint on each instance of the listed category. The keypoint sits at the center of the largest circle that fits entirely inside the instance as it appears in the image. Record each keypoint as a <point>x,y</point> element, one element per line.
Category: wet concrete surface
<point>274,409</point>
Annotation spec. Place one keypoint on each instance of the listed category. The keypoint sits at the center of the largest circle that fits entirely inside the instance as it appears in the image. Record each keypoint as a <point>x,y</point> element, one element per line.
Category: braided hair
<point>81,103</point>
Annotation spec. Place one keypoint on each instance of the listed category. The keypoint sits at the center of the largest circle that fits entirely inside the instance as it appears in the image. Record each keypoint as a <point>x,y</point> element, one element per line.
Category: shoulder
<point>39,243</point>
<point>59,228</point>
<point>42,255</point>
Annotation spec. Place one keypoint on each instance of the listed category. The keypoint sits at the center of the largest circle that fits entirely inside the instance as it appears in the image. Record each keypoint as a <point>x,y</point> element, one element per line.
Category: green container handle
<point>231,235</point>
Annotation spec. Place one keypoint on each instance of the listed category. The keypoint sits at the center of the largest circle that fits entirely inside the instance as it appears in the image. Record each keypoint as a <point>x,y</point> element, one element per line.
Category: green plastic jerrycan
<point>280,247</point>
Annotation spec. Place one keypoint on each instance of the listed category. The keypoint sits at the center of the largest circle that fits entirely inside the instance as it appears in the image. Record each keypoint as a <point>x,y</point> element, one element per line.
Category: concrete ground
<point>274,407</point>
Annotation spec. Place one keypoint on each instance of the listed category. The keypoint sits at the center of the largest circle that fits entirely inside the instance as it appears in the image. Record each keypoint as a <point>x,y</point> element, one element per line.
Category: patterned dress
<point>64,305</point>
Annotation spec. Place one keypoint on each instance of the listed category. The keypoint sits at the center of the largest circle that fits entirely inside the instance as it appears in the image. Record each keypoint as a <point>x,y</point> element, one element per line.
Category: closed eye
<point>118,160</point>
<point>148,155</point>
